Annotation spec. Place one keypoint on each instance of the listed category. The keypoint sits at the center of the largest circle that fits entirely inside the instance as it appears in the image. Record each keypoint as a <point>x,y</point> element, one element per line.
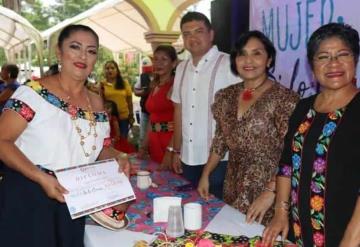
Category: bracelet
<point>270,190</point>
<point>284,205</point>
<point>172,150</point>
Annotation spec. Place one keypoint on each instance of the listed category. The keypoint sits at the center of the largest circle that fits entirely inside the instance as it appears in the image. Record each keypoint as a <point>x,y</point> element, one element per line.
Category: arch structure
<point>17,36</point>
<point>129,25</point>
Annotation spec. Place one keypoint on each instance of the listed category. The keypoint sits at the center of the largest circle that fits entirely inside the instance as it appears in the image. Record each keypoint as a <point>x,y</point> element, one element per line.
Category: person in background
<point>161,109</point>
<point>9,73</point>
<point>113,114</point>
<point>119,143</point>
<point>251,122</point>
<point>196,81</point>
<point>116,89</point>
<point>318,177</point>
<point>142,89</point>
<point>51,124</point>
<point>53,70</point>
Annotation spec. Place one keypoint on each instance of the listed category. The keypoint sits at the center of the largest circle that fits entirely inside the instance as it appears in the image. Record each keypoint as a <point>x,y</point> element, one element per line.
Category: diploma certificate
<point>93,187</point>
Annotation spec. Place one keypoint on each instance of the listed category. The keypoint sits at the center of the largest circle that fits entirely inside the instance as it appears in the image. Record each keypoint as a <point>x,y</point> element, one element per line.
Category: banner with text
<point>289,24</point>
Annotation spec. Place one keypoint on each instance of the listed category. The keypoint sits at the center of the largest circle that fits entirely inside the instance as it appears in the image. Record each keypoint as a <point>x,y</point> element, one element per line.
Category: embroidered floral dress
<point>50,138</point>
<point>254,141</point>
<point>321,156</point>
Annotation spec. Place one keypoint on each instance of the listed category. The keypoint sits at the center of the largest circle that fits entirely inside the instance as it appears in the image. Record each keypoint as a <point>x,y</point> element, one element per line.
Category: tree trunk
<point>13,5</point>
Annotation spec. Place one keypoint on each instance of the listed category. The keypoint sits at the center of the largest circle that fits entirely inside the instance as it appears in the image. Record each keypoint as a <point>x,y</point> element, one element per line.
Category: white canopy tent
<point>16,37</point>
<point>118,24</point>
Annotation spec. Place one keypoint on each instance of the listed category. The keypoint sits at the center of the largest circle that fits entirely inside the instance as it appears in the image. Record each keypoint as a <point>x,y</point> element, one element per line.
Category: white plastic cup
<point>192,216</point>
<point>175,224</point>
<point>143,180</point>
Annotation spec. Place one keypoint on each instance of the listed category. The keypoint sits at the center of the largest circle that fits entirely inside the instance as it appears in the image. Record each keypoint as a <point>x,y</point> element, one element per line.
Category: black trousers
<point>29,218</point>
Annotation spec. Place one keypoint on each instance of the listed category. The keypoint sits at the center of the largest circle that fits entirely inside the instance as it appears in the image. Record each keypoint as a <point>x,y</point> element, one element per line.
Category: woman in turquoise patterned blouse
<point>318,178</point>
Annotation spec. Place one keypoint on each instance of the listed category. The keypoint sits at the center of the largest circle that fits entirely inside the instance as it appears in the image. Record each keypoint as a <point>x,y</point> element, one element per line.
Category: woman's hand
<point>131,120</point>
<point>260,206</point>
<point>203,187</point>
<point>53,189</point>
<point>176,164</point>
<point>166,162</point>
<point>124,164</point>
<point>347,242</point>
<point>279,224</point>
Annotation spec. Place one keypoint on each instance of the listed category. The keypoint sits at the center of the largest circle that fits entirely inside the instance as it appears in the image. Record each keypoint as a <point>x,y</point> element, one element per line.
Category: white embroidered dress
<point>50,138</point>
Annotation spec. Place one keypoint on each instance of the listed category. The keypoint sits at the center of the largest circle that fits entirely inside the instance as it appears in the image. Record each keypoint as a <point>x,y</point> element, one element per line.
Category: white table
<point>228,221</point>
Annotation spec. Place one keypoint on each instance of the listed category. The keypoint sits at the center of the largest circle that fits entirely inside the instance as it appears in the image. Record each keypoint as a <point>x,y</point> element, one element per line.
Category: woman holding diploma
<point>48,124</point>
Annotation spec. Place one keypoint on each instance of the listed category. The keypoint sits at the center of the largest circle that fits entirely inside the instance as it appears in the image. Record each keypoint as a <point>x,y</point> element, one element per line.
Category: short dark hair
<point>169,50</point>
<point>195,16</point>
<point>242,41</point>
<point>339,30</point>
<point>70,29</point>
<point>13,70</point>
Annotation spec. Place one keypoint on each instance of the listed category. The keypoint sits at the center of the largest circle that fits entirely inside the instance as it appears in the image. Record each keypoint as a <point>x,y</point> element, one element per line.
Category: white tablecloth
<point>228,221</point>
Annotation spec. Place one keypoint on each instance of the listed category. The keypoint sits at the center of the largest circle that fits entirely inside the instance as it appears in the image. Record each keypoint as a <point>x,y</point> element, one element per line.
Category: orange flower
<point>332,115</point>
<point>317,203</point>
<point>303,127</point>
<point>297,230</point>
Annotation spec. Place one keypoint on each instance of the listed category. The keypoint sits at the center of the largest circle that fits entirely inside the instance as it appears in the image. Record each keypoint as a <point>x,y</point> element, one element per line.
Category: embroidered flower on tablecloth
<point>318,239</point>
<point>317,203</point>
<point>329,128</point>
<point>319,165</point>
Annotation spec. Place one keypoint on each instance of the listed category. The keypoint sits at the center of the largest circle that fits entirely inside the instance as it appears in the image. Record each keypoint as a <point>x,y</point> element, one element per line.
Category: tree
<point>38,15</point>
<point>65,9</point>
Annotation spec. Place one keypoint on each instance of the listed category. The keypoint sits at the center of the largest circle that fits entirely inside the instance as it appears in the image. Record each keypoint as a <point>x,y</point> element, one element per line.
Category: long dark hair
<point>119,82</point>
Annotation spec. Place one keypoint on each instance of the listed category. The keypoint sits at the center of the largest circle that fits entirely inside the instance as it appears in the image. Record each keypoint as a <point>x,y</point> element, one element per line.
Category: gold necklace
<point>91,132</point>
<point>92,122</point>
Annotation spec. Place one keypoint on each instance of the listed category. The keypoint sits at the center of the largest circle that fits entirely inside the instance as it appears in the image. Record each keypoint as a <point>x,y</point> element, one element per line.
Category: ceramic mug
<point>143,180</point>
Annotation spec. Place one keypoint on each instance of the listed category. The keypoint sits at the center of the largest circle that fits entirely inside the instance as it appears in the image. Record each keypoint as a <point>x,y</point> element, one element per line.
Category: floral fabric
<point>318,178</point>
<point>65,106</point>
<point>20,107</point>
<point>254,141</point>
<point>318,157</point>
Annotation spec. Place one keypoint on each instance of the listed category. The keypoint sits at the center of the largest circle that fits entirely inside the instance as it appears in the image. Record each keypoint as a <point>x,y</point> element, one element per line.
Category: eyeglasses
<point>325,58</point>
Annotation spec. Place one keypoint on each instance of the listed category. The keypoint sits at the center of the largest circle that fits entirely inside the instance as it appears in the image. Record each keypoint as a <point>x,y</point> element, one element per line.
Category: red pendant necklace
<point>248,93</point>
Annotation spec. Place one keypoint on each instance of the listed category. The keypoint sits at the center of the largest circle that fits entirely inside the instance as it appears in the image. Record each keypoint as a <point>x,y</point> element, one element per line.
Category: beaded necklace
<point>92,122</point>
<point>248,92</point>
